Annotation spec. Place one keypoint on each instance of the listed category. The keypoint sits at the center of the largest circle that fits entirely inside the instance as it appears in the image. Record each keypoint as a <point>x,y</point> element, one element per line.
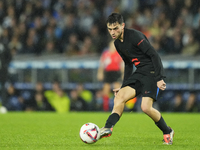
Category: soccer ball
<point>3,110</point>
<point>89,133</point>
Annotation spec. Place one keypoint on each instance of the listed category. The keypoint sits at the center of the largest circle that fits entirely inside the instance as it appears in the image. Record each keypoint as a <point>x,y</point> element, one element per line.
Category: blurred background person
<point>86,95</point>
<point>41,103</point>
<point>50,48</point>
<point>99,100</point>
<point>191,45</point>
<point>28,99</point>
<point>5,59</point>
<point>77,103</point>
<point>185,101</point>
<point>87,47</point>
<point>57,98</point>
<point>14,101</point>
<point>73,46</point>
<point>110,72</point>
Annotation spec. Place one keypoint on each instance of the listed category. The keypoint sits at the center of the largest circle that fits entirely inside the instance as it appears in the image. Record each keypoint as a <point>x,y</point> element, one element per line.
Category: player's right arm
<point>128,66</point>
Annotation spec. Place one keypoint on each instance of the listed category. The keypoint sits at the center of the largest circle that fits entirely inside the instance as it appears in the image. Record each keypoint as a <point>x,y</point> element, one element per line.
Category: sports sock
<point>163,126</point>
<point>112,120</point>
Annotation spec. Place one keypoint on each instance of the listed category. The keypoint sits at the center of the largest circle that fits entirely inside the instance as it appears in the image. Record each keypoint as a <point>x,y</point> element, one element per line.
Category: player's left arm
<point>159,71</point>
<point>146,47</point>
<point>158,67</point>
<point>161,84</point>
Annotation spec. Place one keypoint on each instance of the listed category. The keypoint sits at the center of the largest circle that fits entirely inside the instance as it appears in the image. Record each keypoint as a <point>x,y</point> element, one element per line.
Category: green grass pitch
<point>134,131</point>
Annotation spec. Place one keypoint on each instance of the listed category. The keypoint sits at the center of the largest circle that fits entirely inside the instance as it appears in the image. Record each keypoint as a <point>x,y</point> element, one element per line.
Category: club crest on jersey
<point>147,92</point>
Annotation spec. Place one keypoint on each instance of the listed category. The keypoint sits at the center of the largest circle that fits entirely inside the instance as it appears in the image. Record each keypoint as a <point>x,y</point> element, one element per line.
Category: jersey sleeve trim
<point>140,42</point>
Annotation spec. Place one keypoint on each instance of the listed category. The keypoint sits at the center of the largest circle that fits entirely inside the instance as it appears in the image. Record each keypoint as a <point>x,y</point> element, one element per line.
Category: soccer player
<point>135,49</point>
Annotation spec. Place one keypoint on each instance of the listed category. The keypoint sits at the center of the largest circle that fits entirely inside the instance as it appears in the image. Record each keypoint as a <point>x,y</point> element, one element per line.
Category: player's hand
<point>161,85</point>
<point>116,91</point>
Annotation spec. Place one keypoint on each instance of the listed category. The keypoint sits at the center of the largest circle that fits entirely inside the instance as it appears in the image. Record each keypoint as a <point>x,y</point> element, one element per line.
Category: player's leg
<point>120,99</point>
<point>147,108</point>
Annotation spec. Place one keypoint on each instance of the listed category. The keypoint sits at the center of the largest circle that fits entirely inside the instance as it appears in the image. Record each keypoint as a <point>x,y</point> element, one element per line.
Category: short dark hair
<point>115,17</point>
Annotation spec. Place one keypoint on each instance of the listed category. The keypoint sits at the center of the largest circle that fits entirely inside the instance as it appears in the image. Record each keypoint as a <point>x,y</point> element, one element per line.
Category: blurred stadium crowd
<point>77,28</point>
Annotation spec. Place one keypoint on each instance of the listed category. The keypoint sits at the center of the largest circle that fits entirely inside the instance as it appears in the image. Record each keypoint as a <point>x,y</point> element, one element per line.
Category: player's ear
<point>123,25</point>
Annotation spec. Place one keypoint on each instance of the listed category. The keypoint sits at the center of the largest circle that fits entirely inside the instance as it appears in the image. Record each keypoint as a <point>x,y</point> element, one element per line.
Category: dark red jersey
<point>136,50</point>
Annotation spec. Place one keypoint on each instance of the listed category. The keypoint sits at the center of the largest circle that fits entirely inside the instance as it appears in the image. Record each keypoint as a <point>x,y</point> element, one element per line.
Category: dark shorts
<point>112,76</point>
<point>144,85</point>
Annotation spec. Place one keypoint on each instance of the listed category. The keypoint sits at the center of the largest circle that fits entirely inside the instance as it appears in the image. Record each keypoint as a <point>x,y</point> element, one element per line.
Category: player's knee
<point>119,99</point>
<point>145,108</point>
